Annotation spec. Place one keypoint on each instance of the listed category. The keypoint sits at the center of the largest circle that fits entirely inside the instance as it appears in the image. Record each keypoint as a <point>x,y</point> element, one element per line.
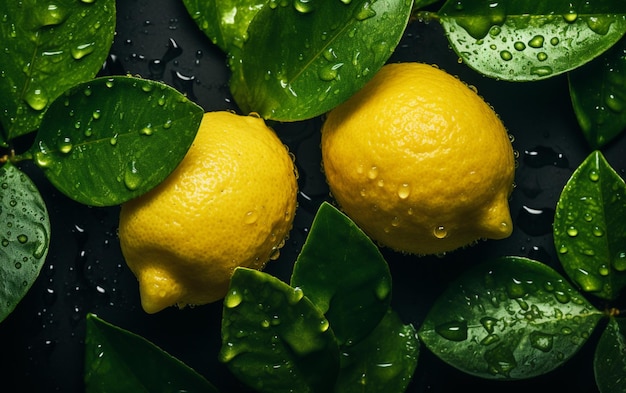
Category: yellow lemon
<point>419,161</point>
<point>231,202</point>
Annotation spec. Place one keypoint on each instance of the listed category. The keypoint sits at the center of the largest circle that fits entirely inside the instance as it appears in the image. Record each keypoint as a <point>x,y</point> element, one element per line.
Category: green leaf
<point>25,237</point>
<point>225,22</point>
<point>106,141</point>
<point>274,339</point>
<point>120,361</point>
<point>590,228</point>
<point>598,96</point>
<point>509,318</point>
<point>384,362</point>
<point>524,40</point>
<point>302,58</point>
<point>344,274</point>
<point>609,363</point>
<point>48,47</point>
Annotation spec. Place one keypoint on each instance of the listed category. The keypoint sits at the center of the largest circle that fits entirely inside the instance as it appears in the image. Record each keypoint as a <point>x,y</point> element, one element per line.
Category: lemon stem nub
<point>158,290</point>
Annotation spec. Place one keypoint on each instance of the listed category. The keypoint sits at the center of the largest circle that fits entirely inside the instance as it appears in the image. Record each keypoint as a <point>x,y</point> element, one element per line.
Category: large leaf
<point>117,360</point>
<point>523,40</point>
<point>302,58</point>
<point>24,239</point>
<point>274,339</point>
<point>49,46</point>
<point>590,228</point>
<point>344,274</point>
<point>510,318</point>
<point>111,139</point>
<point>609,363</point>
<point>598,92</point>
<point>384,362</point>
<point>225,22</point>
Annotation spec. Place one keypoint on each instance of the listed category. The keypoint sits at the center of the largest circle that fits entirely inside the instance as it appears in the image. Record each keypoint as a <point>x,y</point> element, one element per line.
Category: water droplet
<point>489,323</point>
<point>572,231</point>
<point>329,72</point>
<point>541,341</point>
<point>516,289</point>
<point>535,222</point>
<point>490,339</point>
<point>52,15</point>
<point>541,156</point>
<point>365,12</point>
<point>440,232</point>
<point>506,55</point>
<point>383,289</point>
<point>604,270</point>
<point>65,145</point>
<point>453,331</point>
<point>147,130</point>
<point>597,231</point>
<point>132,180</point>
<point>113,140</point>
<point>22,238</point>
<point>536,42</point>
<point>304,6</point>
<point>80,51</point>
<point>541,71</point>
<point>619,262</point>
<point>36,99</point>
<point>233,299</point>
<point>614,103</point>
<point>500,360</point>
<point>18,265</point>
<point>372,173</point>
<point>599,24</point>
<point>593,175</point>
<point>404,191</point>
<point>554,41</point>
<point>96,114</point>
<point>519,46</point>
<point>109,83</point>
<point>542,56</point>
<point>251,217</point>
<point>43,160</point>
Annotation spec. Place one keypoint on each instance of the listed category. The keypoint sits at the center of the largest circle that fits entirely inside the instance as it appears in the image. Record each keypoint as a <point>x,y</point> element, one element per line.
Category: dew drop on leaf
<point>453,330</point>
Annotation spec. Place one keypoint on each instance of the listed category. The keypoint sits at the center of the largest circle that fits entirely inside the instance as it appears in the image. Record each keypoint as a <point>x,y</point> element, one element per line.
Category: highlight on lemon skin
<point>420,161</point>
<point>231,202</point>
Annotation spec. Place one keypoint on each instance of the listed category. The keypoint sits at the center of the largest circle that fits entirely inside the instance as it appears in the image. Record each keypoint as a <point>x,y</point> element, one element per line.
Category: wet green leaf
<point>302,58</point>
<point>48,47</point>
<point>274,339</point>
<point>509,318</point>
<point>24,239</point>
<point>384,362</point>
<point>609,361</point>
<point>225,22</point>
<point>117,360</point>
<point>111,139</point>
<point>524,40</point>
<point>344,274</point>
<point>598,92</point>
<point>590,228</point>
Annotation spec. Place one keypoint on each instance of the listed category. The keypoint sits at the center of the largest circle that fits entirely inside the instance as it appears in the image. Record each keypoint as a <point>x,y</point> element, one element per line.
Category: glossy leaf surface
<point>524,40</point>
<point>47,48</point>
<point>344,274</point>
<point>111,139</point>
<point>598,92</point>
<point>384,362</point>
<point>609,361</point>
<point>590,228</point>
<point>117,360</point>
<point>302,58</point>
<point>24,239</point>
<point>509,318</point>
<point>225,22</point>
<point>274,339</point>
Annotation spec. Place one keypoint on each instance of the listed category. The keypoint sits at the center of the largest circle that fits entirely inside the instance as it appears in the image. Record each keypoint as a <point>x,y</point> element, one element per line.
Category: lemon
<point>230,202</point>
<point>420,161</point>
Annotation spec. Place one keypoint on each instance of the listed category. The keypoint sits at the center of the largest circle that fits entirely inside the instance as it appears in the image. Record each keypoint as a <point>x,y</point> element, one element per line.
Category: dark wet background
<point>41,343</point>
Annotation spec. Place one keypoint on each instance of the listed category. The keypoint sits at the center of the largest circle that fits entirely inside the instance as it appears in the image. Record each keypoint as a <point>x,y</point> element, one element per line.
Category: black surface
<point>41,343</point>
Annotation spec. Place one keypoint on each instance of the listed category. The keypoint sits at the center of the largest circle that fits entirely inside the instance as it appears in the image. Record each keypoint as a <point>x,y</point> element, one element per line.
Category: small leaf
<point>120,361</point>
<point>111,139</point>
<point>344,274</point>
<point>609,363</point>
<point>509,318</point>
<point>25,238</point>
<point>384,362</point>
<point>302,58</point>
<point>274,339</point>
<point>590,228</point>
<point>598,96</point>
<point>530,40</point>
<point>48,47</point>
<point>225,22</point>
